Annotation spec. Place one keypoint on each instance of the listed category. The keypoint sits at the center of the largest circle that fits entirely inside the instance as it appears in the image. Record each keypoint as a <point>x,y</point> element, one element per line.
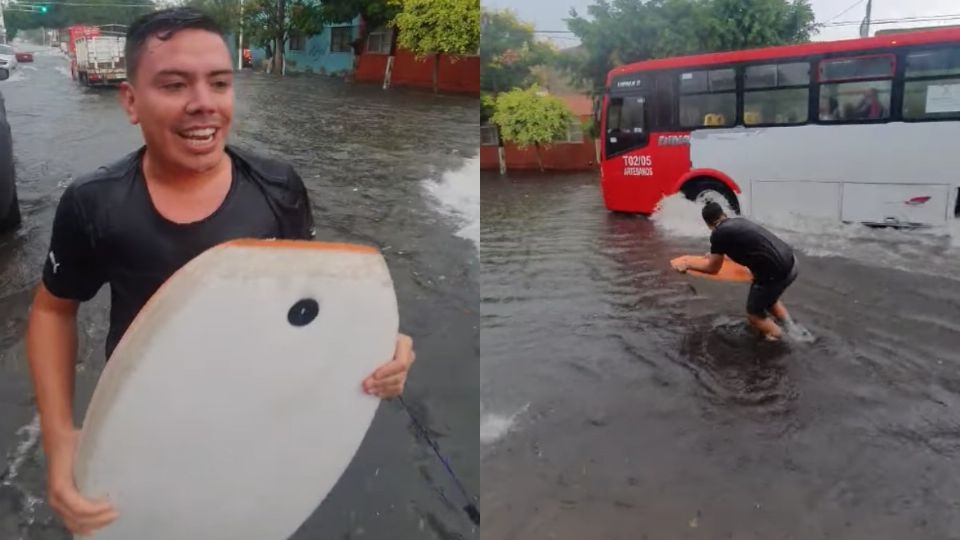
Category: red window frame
<point>892,74</point>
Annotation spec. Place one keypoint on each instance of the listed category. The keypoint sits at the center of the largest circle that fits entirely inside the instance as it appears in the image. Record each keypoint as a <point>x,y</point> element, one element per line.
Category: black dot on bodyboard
<point>303,312</point>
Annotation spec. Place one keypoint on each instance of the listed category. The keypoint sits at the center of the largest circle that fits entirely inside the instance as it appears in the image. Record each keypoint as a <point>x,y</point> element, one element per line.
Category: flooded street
<point>395,169</point>
<point>621,400</point>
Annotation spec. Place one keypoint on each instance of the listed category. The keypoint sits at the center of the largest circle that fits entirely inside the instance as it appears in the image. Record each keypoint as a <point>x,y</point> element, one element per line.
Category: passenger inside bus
<point>870,107</point>
<point>830,109</point>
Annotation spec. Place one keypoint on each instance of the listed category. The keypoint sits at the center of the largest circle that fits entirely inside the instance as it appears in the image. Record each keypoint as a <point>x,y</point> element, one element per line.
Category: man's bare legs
<point>780,312</point>
<point>766,326</point>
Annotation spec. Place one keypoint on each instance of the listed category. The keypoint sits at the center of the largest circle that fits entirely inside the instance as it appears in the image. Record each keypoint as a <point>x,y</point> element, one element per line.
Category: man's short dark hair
<point>712,212</point>
<point>163,25</point>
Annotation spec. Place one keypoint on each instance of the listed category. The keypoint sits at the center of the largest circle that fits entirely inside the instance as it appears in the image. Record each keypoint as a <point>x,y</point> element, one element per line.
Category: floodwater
<point>621,400</point>
<point>396,169</point>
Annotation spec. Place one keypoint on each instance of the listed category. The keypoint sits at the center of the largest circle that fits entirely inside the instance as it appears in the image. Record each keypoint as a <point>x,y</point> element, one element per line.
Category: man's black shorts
<point>764,295</point>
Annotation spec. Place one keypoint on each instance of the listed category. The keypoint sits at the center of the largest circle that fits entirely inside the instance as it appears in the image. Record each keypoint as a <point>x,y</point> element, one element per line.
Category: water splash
<point>458,195</point>
<point>18,75</point>
<point>27,446</point>
<point>678,216</point>
<point>797,333</point>
<point>29,438</point>
<point>494,427</point>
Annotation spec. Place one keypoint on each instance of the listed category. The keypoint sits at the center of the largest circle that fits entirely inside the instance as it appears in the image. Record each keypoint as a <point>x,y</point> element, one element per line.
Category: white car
<point>8,57</point>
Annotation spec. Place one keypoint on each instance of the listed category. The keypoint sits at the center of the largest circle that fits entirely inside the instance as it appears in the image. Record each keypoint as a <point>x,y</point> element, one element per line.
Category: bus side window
<point>856,89</point>
<point>708,98</point>
<point>931,89</point>
<point>776,93</point>
<point>663,110</point>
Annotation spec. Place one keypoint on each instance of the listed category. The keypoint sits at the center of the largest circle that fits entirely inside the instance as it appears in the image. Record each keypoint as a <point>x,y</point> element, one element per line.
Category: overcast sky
<point>550,14</point>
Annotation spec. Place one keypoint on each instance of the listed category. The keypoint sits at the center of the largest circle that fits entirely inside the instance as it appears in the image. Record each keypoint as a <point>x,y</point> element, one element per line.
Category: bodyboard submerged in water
<point>730,271</point>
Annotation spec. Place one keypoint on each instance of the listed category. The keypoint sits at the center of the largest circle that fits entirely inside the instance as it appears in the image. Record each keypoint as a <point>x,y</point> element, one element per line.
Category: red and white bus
<point>862,130</point>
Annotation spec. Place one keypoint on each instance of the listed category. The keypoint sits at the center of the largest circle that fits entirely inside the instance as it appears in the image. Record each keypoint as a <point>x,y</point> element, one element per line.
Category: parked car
<point>8,57</point>
<point>9,205</point>
<point>24,57</point>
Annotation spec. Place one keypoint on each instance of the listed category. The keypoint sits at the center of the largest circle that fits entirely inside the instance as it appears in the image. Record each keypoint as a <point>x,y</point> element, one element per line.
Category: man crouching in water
<point>770,259</point>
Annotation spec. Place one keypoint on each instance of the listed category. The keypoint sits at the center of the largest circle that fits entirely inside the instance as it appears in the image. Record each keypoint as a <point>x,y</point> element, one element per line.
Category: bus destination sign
<point>631,81</point>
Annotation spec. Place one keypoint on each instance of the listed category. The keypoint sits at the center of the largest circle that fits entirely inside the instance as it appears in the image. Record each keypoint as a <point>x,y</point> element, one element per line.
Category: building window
<point>574,133</point>
<point>931,90</point>
<point>856,89</point>
<point>340,38</point>
<point>379,41</point>
<point>296,41</point>
<point>776,94</point>
<point>489,136</point>
<point>708,98</point>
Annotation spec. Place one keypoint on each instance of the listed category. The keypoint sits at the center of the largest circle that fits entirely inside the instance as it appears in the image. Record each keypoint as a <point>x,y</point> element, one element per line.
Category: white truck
<point>100,60</point>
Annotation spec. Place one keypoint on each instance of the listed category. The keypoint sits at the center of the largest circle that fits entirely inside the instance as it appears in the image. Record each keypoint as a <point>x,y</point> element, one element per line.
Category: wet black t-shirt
<point>768,257</point>
<point>107,230</point>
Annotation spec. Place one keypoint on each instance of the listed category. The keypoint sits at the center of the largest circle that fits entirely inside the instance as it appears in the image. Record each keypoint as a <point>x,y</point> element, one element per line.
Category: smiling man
<point>135,222</point>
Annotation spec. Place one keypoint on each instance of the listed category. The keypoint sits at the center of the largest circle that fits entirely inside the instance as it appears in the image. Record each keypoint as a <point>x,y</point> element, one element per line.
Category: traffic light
<point>43,9</point>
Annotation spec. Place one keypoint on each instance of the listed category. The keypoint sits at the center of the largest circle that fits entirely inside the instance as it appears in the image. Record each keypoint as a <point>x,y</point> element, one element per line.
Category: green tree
<point>226,13</point>
<point>17,21</point>
<point>61,15</point>
<point>529,117</point>
<point>488,105</point>
<point>435,27</point>
<point>625,31</point>
<point>508,52</point>
<point>269,23</point>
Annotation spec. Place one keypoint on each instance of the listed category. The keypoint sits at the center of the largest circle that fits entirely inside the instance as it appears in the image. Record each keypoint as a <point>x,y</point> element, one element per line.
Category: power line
<point>932,18</point>
<point>857,3</point>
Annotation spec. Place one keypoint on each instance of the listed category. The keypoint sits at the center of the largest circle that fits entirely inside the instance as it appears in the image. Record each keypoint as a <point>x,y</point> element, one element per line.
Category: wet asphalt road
<point>366,156</point>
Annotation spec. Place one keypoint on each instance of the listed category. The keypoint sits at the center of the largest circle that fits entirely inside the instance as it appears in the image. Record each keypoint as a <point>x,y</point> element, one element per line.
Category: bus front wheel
<point>703,191</point>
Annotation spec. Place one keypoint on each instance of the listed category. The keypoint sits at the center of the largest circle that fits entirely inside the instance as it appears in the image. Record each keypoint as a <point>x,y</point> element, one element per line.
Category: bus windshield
<point>625,125</point>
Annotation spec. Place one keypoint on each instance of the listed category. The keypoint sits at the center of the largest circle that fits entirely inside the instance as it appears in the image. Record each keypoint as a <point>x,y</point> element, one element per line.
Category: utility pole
<point>865,25</point>
<point>240,41</point>
<point>3,25</point>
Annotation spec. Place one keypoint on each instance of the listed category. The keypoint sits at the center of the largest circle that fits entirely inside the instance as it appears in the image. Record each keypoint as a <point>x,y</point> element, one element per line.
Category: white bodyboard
<point>234,402</point>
